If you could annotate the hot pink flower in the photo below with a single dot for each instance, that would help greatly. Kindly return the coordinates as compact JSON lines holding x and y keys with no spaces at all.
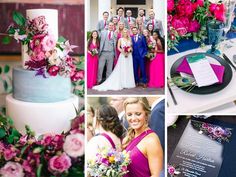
{"x":218,"y":11}
{"x":9,"y":153}
{"x":53,"y":70}
{"x":59,"y":164}
{"x":38,"y":56}
{"x":194,"y":26}
{"x":31,"y":163}
{"x":48,"y":43}
{"x":78,"y":75}
{"x":74,"y":145}
{"x":200,"y":3}
{"x":36,"y":41}
{"x":170,"y":5}
{"x":179,"y":26}
{"x":2,"y":147}
{"x":185,"y":8}
{"x":171,"y":170}
{"x":12,"y":169}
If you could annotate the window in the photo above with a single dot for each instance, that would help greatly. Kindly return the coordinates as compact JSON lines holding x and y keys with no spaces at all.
{"x":131,"y":2}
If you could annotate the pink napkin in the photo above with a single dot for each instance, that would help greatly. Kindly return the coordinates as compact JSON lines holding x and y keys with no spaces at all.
{"x":218,"y":69}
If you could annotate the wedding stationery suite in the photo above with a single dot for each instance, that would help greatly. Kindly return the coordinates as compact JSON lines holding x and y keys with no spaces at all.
{"x":199,"y":151}
{"x":202,"y":70}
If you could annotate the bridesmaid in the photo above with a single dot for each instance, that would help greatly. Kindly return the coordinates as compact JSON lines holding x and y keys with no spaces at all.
{"x":92,"y":59}
{"x":157,"y":65}
{"x":140,"y":25}
{"x":119,"y":32}
{"x":150,"y":28}
{"x":142,"y":143}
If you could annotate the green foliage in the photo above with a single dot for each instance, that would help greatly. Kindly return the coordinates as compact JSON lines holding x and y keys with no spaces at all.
{"x":89,"y":34}
{"x":19,"y":18}
{"x":61,"y":39}
{"x":6,"y":69}
{"x":5,"y":79}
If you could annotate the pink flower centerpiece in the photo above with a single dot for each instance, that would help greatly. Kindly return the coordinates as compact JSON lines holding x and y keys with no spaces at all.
{"x":188,"y":19}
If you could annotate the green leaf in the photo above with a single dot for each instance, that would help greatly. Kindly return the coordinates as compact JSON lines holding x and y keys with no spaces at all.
{"x":11,"y":30}
{"x":39,"y":170}
{"x":6,"y":69}
{"x":19,"y":18}
{"x":6,"y":40}
{"x":0,"y":70}
{"x":61,"y":39}
{"x":2,"y":133}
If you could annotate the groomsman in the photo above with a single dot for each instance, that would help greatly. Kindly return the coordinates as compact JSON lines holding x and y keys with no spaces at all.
{"x":139,"y":52}
{"x":141,"y":14}
{"x":129,"y":17}
{"x":157,"y":24}
{"x":115,"y":22}
{"x":103,"y":24}
{"x":107,"y":51}
{"x":120,"y":17}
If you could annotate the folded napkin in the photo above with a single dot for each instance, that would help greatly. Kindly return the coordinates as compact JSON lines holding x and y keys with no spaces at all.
{"x":218,"y":69}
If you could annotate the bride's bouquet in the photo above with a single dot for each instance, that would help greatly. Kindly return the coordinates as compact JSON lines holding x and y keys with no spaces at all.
{"x":127,"y":50}
{"x":109,"y":162}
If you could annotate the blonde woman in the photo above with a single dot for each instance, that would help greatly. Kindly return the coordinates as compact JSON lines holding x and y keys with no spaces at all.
{"x":123,"y":74}
{"x":143,"y":144}
{"x":119,"y":32}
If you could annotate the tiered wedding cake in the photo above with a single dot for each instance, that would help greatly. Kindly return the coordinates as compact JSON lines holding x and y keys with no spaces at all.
{"x":45,"y":103}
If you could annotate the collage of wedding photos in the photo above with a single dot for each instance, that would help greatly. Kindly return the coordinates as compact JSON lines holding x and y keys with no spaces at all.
{"x":117,"y":88}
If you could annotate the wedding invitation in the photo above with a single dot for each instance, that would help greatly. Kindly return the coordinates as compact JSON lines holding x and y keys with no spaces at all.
{"x":199,"y":151}
{"x":202,"y":70}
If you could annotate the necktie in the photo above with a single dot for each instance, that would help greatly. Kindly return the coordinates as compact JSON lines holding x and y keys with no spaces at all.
{"x":129,"y":19}
{"x":105,"y":23}
{"x":152,"y":22}
{"x":109,"y":35}
{"x":119,"y":18}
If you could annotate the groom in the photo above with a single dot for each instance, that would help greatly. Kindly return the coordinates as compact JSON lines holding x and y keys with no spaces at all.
{"x":107,"y":51}
{"x":139,"y":52}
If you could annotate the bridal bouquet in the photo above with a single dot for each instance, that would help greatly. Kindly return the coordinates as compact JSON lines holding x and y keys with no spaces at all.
{"x":47,"y":56}
{"x":94,"y":52}
{"x":127,"y":50}
{"x":109,"y":162}
{"x":188,"y":19}
{"x":49,"y":155}
{"x":151,"y":49}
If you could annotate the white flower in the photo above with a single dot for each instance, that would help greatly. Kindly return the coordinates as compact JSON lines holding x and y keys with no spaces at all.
{"x":67,"y":47}
{"x":18,"y":37}
{"x":74,"y":145}
{"x":54,"y":57}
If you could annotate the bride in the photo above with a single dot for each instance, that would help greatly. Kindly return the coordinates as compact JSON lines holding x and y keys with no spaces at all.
{"x":123,"y":74}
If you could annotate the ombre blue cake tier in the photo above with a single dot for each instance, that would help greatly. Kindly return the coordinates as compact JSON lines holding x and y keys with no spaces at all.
{"x":30,"y":88}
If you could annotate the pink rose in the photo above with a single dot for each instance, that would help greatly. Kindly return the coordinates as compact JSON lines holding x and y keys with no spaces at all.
{"x":38,"y":25}
{"x":53,"y":70}
{"x":74,"y":145}
{"x":48,"y":43}
{"x":59,"y":164}
{"x":12,"y":169}
{"x":9,"y":152}
{"x":194,"y":26}
{"x":170,"y":5}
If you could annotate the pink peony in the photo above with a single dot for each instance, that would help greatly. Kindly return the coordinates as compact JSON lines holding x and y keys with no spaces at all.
{"x":38,"y":25}
{"x":9,"y":153}
{"x":12,"y":169}
{"x":185,"y":8}
{"x":55,"y":141}
{"x":194,"y":26}
{"x":59,"y":164}
{"x":218,"y":11}
{"x":179,"y":26}
{"x":36,"y":41}
{"x":53,"y":70}
{"x":74,"y":145}
{"x":170,"y":5}
{"x":200,"y":3}
{"x":48,"y":43}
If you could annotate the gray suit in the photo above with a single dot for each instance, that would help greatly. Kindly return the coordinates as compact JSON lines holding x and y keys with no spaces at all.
{"x":157,"y":26}
{"x":101,"y":26}
{"x":106,"y":54}
{"x":132,"y":19}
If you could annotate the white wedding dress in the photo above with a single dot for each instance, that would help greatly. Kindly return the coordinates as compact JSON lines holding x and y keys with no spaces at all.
{"x":123,"y":74}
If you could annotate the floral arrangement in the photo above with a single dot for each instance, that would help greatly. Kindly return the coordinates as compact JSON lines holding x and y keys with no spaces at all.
{"x":94,"y":52}
{"x":109,"y":162}
{"x":188,"y":18}
{"x":215,"y":132}
{"x":47,"y":56}
{"x":173,"y":171}
{"x":151,"y":43}
{"x":127,"y":50}
{"x":49,"y":155}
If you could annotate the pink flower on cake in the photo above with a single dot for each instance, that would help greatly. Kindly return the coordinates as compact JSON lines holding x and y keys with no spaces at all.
{"x":9,"y":152}
{"x":74,"y":145}
{"x":78,"y":75}
{"x":36,"y":41}
{"x":38,"y":25}
{"x":12,"y":169}
{"x":48,"y":42}
{"x":67,"y":47}
{"x":59,"y":164}
{"x":53,"y":70}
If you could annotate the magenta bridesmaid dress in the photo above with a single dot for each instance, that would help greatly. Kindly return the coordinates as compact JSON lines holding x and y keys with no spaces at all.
{"x":92,"y":67}
{"x":119,"y":35}
{"x":157,"y":71}
{"x":139,"y":163}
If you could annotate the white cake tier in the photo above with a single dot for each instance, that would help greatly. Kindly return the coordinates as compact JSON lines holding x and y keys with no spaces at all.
{"x":51,"y":16}
{"x":42,"y":117}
